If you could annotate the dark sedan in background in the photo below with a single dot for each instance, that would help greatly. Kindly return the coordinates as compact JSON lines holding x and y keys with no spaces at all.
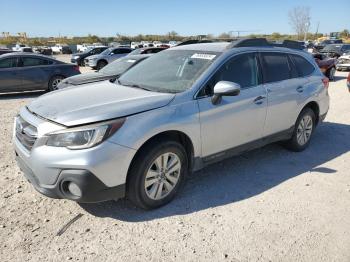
{"x":29,"y":72}
{"x":109,"y":72}
{"x":78,"y":58}
{"x":335,"y":50}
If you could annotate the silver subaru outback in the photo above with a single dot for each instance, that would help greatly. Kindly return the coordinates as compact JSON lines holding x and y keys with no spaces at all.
{"x":176,"y":112}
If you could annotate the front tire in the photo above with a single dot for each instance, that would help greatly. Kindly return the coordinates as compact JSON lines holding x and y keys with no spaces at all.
{"x":303,"y":130}
{"x":157,"y":174}
{"x":100,"y":65}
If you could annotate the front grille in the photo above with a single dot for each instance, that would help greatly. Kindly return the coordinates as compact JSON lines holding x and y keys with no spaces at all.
{"x":25,"y":133}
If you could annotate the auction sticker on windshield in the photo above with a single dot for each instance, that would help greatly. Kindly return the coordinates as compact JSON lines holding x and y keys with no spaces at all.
{"x":204,"y":56}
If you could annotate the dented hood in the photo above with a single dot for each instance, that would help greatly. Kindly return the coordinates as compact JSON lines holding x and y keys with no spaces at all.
{"x":96,"y":102}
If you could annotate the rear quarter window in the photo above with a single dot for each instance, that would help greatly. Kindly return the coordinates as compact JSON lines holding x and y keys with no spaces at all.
{"x":303,"y":66}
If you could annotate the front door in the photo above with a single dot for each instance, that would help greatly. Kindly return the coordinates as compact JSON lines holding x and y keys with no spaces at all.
{"x":236,"y":120}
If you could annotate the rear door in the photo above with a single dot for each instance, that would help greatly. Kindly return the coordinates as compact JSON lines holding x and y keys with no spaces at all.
{"x":35,"y":72}
{"x":10,"y":81}
{"x":283,"y":91}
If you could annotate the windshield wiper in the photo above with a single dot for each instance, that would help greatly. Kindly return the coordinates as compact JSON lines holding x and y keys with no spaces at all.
{"x":132,"y":85}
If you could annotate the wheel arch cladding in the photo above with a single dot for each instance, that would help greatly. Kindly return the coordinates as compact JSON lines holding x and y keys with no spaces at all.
{"x":171,"y":135}
{"x":314,"y":107}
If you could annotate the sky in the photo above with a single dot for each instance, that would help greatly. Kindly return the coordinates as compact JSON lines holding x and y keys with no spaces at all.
{"x":186,"y":17}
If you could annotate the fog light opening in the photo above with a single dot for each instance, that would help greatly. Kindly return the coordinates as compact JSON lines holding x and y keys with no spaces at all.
{"x":71,"y":188}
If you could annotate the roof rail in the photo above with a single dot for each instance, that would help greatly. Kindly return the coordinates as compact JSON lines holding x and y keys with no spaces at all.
{"x":262,"y":42}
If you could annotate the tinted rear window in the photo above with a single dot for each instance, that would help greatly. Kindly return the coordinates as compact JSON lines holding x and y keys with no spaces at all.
{"x":33,"y":61}
{"x":303,"y":66}
{"x":275,"y":67}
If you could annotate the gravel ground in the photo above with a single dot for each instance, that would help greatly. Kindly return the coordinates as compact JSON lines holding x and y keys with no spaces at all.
{"x":266,"y":205}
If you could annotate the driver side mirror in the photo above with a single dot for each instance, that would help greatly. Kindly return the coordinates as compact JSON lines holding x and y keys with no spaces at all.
{"x":225,"y":88}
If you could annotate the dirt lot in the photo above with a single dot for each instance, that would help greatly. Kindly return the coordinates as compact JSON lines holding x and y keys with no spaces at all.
{"x":266,"y":205}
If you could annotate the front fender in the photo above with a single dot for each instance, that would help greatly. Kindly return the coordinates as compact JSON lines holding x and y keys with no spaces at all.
{"x":139,"y":128}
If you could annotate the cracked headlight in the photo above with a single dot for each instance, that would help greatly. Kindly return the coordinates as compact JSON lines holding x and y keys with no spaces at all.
{"x":84,"y":137}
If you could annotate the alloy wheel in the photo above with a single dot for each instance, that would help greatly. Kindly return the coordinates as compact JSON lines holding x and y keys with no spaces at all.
{"x":55,"y":83}
{"x":162,"y":176}
{"x":304,"y":130}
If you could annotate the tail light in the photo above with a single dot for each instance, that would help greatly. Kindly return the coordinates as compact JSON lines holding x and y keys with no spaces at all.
{"x":76,"y":68}
{"x":325,"y":82}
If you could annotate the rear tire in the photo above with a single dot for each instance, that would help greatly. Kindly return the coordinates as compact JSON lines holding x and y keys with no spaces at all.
{"x":53,"y":83}
{"x":330,"y":73}
{"x":303,"y":130}
{"x":157,"y":174}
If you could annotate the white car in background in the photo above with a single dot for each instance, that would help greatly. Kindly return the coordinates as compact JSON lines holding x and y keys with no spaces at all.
{"x":19,"y":47}
{"x":343,"y":62}
{"x":56,"y":49}
{"x":173,"y":43}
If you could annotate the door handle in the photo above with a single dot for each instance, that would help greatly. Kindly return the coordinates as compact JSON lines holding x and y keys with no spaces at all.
{"x":259,"y":100}
{"x":300,"y":89}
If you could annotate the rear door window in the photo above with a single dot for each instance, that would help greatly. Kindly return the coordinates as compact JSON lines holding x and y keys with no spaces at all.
{"x":33,"y":61}
{"x":303,"y":66}
{"x":8,"y":62}
{"x":275,"y":67}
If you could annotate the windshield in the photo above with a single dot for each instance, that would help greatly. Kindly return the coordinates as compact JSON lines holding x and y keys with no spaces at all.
{"x":171,"y":71}
{"x":136,"y":51}
{"x":335,"y":48}
{"x":119,"y":66}
{"x":106,"y":52}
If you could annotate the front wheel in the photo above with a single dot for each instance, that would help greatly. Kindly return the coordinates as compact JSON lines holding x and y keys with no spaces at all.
{"x":157,"y":174}
{"x":303,"y":130}
{"x":100,"y":65}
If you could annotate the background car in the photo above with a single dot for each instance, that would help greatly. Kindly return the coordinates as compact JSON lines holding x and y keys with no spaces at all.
{"x":344,"y":62}
{"x":28,"y":72}
{"x":5,"y":51}
{"x":335,"y":50}
{"x":109,"y":72}
{"x":78,"y":58}
{"x":326,"y":64}
{"x":66,"y":50}
{"x":44,"y":50}
{"x":109,"y":55}
{"x":149,"y":50}
{"x":322,"y":44}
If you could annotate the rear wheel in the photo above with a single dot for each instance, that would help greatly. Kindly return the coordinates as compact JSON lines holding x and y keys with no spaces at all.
{"x":330,"y":73}
{"x":304,"y":128}
{"x":157,"y":174}
{"x":54,"y":81}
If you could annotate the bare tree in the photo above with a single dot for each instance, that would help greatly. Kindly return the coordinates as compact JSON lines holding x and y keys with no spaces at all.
{"x":299,"y":18}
